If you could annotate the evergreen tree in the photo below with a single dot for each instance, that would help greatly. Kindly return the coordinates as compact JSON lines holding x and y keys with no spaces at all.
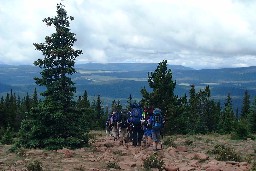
{"x":119,"y":106}
{"x":129,"y":101}
{"x":246,"y":105}
{"x":10,"y":110}
{"x":59,"y":60}
{"x":98,"y":107}
{"x":203,"y":110}
{"x":27,"y":102}
{"x":114,"y":105}
{"x":162,"y":95}
{"x":193,"y":115}
{"x":252,"y":117}
{"x":2,"y":112}
{"x":101,"y":118}
{"x":35,"y":98}
{"x":227,"y":120}
{"x":181,"y":126}
{"x":162,"y":85}
{"x":55,"y":123}
{"x":79,"y":102}
{"x":213,"y":115}
{"x":83,"y":101}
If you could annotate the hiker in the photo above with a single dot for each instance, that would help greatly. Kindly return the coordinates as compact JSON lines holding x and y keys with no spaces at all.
{"x":113,"y":122}
{"x":130,"y":125}
{"x":147,"y":128}
{"x":123,"y":128}
{"x":137,"y":132}
{"x":157,"y":124}
{"x":108,"y":127}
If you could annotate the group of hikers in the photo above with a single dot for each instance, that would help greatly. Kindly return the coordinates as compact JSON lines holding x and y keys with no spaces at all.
{"x":138,"y":125}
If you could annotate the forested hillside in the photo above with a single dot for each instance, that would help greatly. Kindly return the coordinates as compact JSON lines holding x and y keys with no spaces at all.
{"x":118,"y":81}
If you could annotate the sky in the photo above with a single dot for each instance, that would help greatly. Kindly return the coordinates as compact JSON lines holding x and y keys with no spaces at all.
{"x":199,"y":34}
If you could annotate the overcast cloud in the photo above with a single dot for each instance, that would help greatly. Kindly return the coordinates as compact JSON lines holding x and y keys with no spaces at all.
{"x":193,"y":33}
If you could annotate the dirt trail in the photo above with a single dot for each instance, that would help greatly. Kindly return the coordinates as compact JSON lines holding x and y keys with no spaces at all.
{"x":183,"y":154}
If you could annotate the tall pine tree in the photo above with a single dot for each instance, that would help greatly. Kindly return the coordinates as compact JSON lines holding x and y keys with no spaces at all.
{"x":55,"y":123}
{"x":252,"y":117}
{"x":227,"y":122}
{"x":162,"y":95}
{"x":246,"y":105}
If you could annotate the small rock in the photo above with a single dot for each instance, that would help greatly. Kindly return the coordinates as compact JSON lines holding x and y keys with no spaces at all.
{"x":243,"y":164}
{"x":133,"y":164}
{"x":181,"y":149}
{"x":201,"y":156}
{"x":233,"y":163}
{"x":18,"y":162}
{"x":171,"y":168}
{"x":187,"y":168}
{"x":213,"y":168}
{"x":2,"y":161}
{"x":93,"y":169}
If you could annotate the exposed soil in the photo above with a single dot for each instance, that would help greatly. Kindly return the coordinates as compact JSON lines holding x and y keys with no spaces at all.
{"x":183,"y":153}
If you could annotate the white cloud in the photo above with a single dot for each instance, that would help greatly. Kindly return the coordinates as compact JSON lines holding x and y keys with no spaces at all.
{"x":194,"y":33}
{"x":97,"y":55}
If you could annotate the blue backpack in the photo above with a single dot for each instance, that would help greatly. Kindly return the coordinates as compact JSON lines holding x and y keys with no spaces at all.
{"x":114,"y":119}
{"x":136,"y":114}
{"x":157,"y":120}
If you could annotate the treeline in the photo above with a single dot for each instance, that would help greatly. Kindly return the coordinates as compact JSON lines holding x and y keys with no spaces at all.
{"x":194,"y":113}
{"x":197,"y":112}
{"x":14,"y":109}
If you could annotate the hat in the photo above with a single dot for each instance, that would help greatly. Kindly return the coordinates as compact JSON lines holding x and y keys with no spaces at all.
{"x":157,"y":111}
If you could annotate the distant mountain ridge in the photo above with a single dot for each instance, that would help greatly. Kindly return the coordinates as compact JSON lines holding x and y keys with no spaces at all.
{"x":127,"y":66}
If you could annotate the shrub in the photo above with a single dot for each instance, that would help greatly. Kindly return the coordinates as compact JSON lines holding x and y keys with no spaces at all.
{"x":169,"y":141}
{"x":7,"y":137}
{"x":80,"y":168}
{"x":153,"y":161}
{"x":118,"y":152}
{"x":21,"y":152}
{"x":109,"y":145}
{"x":224,"y":153}
{"x":241,"y":131}
{"x":188,"y":142}
{"x":35,"y":166}
{"x":113,"y":165}
{"x":253,"y":167}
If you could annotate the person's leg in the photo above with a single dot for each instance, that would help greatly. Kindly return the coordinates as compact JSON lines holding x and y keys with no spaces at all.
{"x":158,"y":137}
{"x":125,"y":134}
{"x":107,"y":132}
{"x":149,"y":140}
{"x":154,"y":141}
{"x":140,"y":135}
{"x":114,"y":131}
{"x":121,"y":136}
{"x":130,"y":134}
{"x":135,"y":137}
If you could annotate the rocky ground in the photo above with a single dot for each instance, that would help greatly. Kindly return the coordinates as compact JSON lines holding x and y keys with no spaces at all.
{"x":179,"y":153}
